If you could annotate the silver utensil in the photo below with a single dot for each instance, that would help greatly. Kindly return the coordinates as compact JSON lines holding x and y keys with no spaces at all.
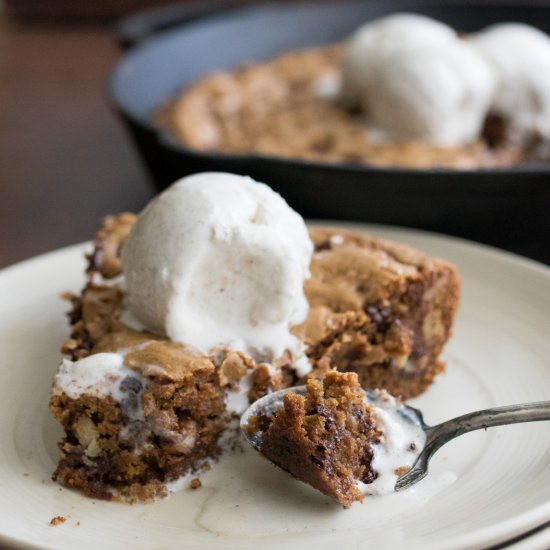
{"x":436,"y":436}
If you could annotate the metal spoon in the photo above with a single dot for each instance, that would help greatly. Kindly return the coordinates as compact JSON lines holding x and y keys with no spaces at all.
{"x":436,"y":436}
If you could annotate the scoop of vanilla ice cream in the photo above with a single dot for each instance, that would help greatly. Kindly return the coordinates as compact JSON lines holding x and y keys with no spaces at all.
{"x":415,"y":79}
{"x":520,"y":55}
{"x":219,"y":259}
{"x":368,"y":46}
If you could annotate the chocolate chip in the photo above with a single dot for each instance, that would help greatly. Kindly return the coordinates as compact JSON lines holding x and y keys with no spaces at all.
{"x":380,"y":314}
{"x":323,"y":144}
{"x":263,"y":421}
{"x":130,"y":384}
{"x":136,"y":433}
{"x":495,"y":131}
{"x":261,"y":355}
{"x":323,"y":245}
{"x":129,"y":405}
{"x":369,"y":476}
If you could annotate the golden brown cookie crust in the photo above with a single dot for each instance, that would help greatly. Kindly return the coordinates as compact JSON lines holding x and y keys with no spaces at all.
{"x":271,"y":108}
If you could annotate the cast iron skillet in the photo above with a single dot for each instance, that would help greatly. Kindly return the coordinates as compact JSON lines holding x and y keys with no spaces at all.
{"x":507,"y":208}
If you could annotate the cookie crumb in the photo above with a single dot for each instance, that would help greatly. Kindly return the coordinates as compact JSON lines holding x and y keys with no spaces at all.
{"x":58,"y":520}
{"x":401,"y":471}
{"x":77,"y":524}
{"x":195,"y":483}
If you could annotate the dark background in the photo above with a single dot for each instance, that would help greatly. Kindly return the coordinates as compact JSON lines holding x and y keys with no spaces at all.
{"x":65,"y":161}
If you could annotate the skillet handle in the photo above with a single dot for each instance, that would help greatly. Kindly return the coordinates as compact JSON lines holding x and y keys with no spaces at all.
{"x":133,"y":29}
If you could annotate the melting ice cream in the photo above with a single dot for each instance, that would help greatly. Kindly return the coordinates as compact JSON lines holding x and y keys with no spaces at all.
{"x":219,"y":259}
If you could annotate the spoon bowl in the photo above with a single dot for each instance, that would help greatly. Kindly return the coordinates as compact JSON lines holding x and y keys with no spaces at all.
{"x":436,"y":436}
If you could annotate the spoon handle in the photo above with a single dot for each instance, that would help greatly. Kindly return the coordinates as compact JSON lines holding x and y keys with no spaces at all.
{"x":437,"y":436}
{"x":512,"y":414}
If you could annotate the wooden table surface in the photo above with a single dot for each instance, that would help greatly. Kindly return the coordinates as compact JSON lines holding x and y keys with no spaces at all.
{"x":65,"y":161}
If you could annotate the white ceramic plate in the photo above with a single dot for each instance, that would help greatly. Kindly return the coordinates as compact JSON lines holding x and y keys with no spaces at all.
{"x":484,"y":488}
